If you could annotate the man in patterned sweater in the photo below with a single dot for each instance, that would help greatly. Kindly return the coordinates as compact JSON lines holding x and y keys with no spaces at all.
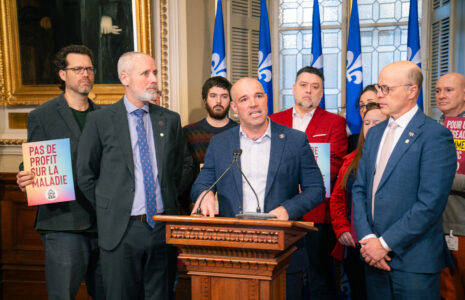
{"x":216,"y":98}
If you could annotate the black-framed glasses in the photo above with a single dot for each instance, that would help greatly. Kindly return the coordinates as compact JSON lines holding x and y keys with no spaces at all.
{"x":80,"y":70}
{"x":363,"y":106}
{"x":387,"y":89}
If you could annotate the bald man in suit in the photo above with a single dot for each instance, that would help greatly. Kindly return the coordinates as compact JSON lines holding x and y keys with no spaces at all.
{"x":403,"y":181}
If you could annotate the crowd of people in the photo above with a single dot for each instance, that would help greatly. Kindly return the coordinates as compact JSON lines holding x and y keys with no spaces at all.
{"x":395,"y":194}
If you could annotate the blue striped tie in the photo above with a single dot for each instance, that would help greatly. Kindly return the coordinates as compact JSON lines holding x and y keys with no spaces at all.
{"x":149,"y":182}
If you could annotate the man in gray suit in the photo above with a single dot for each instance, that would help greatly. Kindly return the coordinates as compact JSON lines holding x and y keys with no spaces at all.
{"x":131,"y":158}
{"x":67,"y":229}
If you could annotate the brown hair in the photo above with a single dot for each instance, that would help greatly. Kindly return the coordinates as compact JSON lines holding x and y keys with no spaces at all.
{"x":361,"y":140}
{"x":60,"y":59}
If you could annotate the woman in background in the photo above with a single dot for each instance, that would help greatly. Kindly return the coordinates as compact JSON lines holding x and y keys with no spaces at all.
{"x":368,"y":95}
{"x":341,"y":208}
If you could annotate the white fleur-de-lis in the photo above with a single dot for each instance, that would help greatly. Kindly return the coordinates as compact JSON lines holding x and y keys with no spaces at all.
{"x":318,"y":63}
{"x":264,"y":67}
{"x":413,"y":58}
{"x":354,"y":69}
{"x":218,"y":68}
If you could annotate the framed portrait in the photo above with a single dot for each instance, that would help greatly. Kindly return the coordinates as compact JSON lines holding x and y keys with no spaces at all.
{"x":33,"y":31}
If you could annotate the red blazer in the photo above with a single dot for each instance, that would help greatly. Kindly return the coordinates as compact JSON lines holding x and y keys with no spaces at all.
{"x":325,"y":127}
{"x":338,"y":207}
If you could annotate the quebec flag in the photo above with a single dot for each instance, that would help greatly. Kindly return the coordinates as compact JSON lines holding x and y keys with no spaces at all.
{"x":264,"y":56}
{"x":354,"y":75}
{"x":413,"y":42}
{"x":218,"y":67}
{"x":317,"y":54}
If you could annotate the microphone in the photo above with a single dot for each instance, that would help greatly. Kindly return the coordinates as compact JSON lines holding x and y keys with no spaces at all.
{"x":236,"y":154}
{"x":259,"y":214}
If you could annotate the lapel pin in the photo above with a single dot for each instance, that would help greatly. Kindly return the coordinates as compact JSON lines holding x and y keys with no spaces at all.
{"x":410,"y":133}
{"x":407,"y":141}
{"x":161,"y":123}
{"x":162,"y":134}
{"x":281,"y":136}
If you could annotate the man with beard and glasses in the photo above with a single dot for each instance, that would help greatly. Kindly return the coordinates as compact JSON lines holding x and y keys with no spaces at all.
{"x":216,"y":98}
{"x":67,"y":229}
{"x":131,"y":159}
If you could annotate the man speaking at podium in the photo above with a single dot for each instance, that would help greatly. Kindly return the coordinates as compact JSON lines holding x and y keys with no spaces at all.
{"x":276,"y":161}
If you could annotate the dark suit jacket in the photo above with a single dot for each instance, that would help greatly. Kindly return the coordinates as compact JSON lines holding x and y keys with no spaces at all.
{"x":54,"y":120}
{"x":291,"y":163}
{"x":324,"y":127}
{"x":106,"y":167}
{"x":411,"y":194}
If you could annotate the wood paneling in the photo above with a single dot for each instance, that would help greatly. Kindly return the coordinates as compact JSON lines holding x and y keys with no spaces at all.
{"x":21,"y":255}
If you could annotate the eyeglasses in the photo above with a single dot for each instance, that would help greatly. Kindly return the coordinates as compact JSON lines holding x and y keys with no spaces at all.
{"x":369,"y":101}
{"x":80,"y":70}
{"x":387,"y":89}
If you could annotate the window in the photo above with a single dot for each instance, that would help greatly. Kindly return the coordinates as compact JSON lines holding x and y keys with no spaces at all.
{"x":383,"y":31}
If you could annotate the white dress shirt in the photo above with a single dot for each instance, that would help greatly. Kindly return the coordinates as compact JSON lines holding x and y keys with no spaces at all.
{"x":301,"y":123}
{"x":255,"y":159}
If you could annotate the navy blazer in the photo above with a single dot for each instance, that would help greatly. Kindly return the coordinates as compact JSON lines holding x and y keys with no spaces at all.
{"x":411,"y":195}
{"x":291,"y":164}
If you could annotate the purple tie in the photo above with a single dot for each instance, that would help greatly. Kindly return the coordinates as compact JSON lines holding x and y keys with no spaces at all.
{"x":149,"y":182}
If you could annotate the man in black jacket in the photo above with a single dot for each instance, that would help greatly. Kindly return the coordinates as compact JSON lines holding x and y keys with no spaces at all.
{"x":67,"y":229}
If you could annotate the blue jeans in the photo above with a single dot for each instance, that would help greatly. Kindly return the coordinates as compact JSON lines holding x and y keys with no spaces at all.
{"x":69,"y":259}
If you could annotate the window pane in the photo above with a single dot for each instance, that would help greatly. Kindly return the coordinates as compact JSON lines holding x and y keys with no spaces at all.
{"x":299,"y":13}
{"x":381,"y":46}
{"x":293,"y":59}
{"x":385,"y":11}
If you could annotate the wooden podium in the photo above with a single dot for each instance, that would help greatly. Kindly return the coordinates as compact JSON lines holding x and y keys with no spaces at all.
{"x":230,"y":258}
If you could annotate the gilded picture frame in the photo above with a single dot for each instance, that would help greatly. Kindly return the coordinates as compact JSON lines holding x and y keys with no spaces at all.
{"x":13,"y":92}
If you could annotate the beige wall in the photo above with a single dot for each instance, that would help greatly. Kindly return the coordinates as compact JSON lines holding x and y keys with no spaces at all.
{"x":200,"y":23}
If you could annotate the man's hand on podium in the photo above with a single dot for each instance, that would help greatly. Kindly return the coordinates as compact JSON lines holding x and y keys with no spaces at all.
{"x":280,"y":212}
{"x":208,"y":204}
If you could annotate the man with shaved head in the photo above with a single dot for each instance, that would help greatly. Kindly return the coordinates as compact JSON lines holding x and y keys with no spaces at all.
{"x":450,"y":99}
{"x":276,"y":160}
{"x":131,"y":157}
{"x":402,"y":185}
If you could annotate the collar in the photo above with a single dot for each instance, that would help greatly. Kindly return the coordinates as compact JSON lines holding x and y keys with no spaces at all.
{"x":405,"y":118}
{"x":130,"y":108}
{"x":265,"y":135}
{"x":442,"y":118}
{"x":295,"y":114}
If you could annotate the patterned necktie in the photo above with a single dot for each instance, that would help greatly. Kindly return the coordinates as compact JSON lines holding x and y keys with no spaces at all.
{"x":386,"y":151}
{"x":149,"y":182}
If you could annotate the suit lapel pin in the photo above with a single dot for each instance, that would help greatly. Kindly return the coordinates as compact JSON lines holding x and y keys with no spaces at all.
{"x":410,"y":133}
{"x":161,"y":123}
{"x":162,"y":134}
{"x":281,"y":136}
{"x":407,"y":141}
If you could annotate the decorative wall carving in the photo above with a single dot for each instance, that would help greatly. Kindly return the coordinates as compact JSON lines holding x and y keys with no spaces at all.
{"x":164,"y":76}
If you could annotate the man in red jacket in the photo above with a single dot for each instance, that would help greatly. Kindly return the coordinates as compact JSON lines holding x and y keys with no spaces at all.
{"x":321,"y":127}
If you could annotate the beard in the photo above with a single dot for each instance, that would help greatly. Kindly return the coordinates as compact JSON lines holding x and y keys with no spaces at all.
{"x":146,"y":96}
{"x":80,"y":88}
{"x":305,"y":105}
{"x":218,"y":115}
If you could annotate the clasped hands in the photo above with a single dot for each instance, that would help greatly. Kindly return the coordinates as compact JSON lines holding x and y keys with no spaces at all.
{"x":207,"y":207}
{"x":374,"y":253}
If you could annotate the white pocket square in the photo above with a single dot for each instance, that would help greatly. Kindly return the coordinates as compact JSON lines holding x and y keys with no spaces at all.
{"x":323,"y":134}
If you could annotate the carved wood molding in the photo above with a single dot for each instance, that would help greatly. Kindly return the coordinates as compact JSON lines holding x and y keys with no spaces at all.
{"x":225,"y":234}
{"x":12,"y":141}
{"x":164,"y":75}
